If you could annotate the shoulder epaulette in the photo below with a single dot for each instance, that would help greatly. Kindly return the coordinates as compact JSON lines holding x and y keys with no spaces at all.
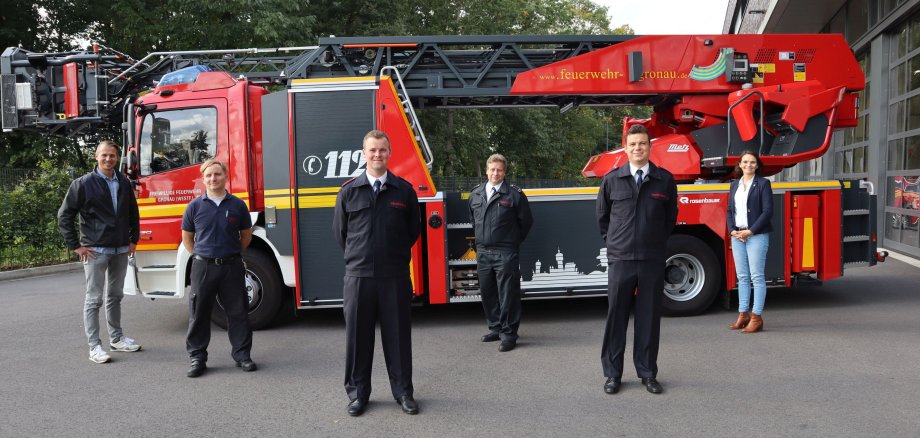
{"x":516,"y":188}
{"x":477,"y":186}
{"x":349,"y":180}
{"x":399,"y":178}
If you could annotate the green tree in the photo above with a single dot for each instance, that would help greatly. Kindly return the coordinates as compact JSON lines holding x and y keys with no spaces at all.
{"x":138,"y":27}
{"x":28,"y":219}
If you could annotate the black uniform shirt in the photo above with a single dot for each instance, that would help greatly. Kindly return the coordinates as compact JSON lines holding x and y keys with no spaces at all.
{"x":376,"y":231}
{"x":636,"y":224}
{"x":503,"y":221}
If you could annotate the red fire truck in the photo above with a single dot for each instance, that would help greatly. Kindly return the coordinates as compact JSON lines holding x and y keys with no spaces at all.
{"x":290,"y":124}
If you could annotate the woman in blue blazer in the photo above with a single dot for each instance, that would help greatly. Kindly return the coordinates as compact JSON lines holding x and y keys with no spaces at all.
{"x":750,"y":207}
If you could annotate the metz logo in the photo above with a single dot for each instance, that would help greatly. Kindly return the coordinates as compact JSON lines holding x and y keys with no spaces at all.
{"x":687,"y":200}
{"x":674,"y":147}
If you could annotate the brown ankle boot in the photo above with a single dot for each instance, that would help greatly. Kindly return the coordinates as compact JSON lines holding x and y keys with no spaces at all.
{"x":743,"y":319}
{"x":755,"y":325}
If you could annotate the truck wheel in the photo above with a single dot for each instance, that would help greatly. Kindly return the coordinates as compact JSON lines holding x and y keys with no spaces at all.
{"x":264,"y":287}
{"x":692,"y":276}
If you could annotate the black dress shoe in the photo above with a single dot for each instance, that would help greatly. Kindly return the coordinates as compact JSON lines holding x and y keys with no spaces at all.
{"x":408,"y":404}
{"x":247,"y":365}
{"x":612,"y":386}
{"x":490,"y":337}
{"x":507,"y":346}
{"x":652,"y":385}
{"x":356,"y":407}
{"x":197,"y":368}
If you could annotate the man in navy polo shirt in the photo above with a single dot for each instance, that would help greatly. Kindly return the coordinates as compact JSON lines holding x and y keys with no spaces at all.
{"x":216,"y":228}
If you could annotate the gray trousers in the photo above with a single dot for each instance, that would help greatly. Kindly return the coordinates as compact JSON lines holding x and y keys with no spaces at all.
{"x":105,"y":276}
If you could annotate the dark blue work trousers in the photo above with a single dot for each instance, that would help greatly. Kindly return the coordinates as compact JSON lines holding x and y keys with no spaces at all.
{"x":500,"y":288}
{"x":368,"y":300}
{"x":225,"y":282}
{"x":633,"y":285}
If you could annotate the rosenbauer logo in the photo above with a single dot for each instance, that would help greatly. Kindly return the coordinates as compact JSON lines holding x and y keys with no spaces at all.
{"x":674,"y":147}
{"x":687,"y":200}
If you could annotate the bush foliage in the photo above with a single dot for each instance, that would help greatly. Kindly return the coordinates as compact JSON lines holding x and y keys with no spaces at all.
{"x":28,"y":220}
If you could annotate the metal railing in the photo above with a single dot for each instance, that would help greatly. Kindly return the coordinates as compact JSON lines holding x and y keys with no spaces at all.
{"x":10,"y":178}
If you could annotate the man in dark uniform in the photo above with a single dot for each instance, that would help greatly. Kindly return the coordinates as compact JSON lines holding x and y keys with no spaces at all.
{"x":501,"y":220}
{"x":216,"y":229}
{"x":636,"y":212}
{"x":376,"y":222}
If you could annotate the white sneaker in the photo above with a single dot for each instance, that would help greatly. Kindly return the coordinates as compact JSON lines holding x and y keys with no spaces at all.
{"x":125,"y":344}
{"x":98,"y":355}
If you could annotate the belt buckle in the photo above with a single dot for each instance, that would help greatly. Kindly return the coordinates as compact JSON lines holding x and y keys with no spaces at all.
{"x":218,"y":261}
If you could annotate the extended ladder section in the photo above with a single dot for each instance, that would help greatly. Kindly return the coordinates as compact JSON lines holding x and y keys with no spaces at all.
{"x":449,"y":71}
{"x":76,"y":93}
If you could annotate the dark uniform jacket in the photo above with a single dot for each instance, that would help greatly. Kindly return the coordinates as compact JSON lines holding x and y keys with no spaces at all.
{"x":377,"y":233}
{"x":759,"y":206}
{"x":100,"y":224}
{"x":636,"y":224}
{"x":502,"y":222}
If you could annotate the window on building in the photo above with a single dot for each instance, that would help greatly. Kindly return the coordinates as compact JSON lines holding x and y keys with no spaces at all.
{"x":897,"y":80}
{"x":873,"y":12}
{"x":851,"y":148}
{"x":902,"y":176}
{"x":857,"y":19}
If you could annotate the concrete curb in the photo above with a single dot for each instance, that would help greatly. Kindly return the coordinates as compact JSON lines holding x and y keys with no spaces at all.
{"x":41,"y":270}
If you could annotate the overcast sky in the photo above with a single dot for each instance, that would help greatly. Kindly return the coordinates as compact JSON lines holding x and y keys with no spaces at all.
{"x":676,"y":17}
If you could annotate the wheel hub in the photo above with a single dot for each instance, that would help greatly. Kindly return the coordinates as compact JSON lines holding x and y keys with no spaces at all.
{"x":253,"y":289}
{"x":684,"y":277}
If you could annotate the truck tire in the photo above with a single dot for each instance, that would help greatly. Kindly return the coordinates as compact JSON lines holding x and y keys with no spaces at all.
{"x":692,"y":276}
{"x":264,"y":286}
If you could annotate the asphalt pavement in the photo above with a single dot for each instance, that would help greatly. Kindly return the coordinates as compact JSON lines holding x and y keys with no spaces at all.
{"x":840,"y":359}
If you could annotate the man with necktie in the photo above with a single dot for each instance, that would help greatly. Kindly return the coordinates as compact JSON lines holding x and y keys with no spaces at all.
{"x":636,"y":212}
{"x":501,"y":219}
{"x":376,"y":222}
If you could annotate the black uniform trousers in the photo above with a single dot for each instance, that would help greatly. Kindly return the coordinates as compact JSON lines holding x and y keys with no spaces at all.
{"x":500,"y":289}
{"x":226,"y":282}
{"x":368,"y":300}
{"x":633,"y":285}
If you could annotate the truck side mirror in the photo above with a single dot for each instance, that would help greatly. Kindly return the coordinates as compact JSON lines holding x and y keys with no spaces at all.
{"x":131,"y":165}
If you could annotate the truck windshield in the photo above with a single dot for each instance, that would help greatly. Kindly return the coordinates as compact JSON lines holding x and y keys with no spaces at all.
{"x":177,"y":138}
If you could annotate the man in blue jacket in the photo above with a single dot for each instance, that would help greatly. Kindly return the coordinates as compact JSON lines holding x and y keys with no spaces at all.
{"x":636,"y":212}
{"x":109,"y":231}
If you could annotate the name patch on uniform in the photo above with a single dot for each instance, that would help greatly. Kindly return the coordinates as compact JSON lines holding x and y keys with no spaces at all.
{"x":659,"y":195}
{"x":397,"y":204}
{"x":506,"y":203}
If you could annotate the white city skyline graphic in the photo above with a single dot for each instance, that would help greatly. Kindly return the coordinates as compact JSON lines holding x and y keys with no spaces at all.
{"x":566,"y":274}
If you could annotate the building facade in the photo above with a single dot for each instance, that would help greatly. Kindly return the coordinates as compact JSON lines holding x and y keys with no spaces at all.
{"x":885,"y":148}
